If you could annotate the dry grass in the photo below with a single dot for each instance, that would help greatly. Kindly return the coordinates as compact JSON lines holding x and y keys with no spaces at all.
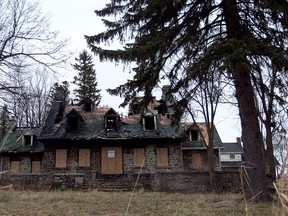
{"x":147,"y":203}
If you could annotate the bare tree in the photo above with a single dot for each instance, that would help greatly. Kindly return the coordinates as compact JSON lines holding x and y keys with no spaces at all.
{"x":270,"y":84}
{"x":200,"y":98}
{"x":28,"y":102}
{"x":26,"y":38}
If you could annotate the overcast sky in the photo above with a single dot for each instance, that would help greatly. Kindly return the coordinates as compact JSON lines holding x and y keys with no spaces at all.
{"x":74,"y":19}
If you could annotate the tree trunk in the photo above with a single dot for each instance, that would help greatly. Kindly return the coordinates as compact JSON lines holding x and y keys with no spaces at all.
{"x":212,"y":178}
{"x":270,"y":156}
{"x":251,"y":135}
{"x":257,"y":187}
{"x":210,"y":151}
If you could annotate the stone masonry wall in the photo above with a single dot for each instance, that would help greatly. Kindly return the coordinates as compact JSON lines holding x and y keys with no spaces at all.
{"x":168,"y":182}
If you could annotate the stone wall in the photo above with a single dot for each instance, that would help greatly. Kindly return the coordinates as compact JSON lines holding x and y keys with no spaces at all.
{"x":168,"y":182}
{"x":170,"y":178}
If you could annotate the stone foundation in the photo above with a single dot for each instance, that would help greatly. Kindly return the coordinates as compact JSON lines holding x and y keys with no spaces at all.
{"x":168,"y":182}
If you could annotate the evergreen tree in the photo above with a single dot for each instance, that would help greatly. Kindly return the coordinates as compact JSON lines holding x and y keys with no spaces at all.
{"x":184,"y":38}
{"x":60,"y":92}
{"x":86,"y":79}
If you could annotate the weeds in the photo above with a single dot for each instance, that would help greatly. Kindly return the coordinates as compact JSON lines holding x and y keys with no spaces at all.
{"x":114,"y":204}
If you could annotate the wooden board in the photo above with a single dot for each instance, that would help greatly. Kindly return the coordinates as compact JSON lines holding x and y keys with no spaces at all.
{"x":61,"y":158}
{"x":139,"y":157}
{"x":162,"y":157}
{"x":196,"y":161}
{"x":36,"y":166}
{"x":111,"y":160}
{"x":84,"y":157}
{"x":15,"y":166}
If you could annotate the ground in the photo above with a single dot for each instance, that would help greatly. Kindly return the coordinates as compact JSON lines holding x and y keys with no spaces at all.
{"x":140,"y":203}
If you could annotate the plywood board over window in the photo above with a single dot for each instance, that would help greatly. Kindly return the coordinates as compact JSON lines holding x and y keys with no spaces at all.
{"x":15,"y":166}
{"x":139,"y":157}
{"x":162,"y":157}
{"x":61,"y":158}
{"x":111,"y":160}
{"x":196,"y":161}
{"x":84,"y":157}
{"x":36,"y":166}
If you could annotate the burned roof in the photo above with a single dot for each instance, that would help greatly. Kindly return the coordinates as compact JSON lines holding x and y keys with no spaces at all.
{"x":93,"y":126}
{"x":13,"y":141}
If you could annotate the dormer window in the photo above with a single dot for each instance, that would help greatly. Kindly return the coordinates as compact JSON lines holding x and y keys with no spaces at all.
{"x":111,"y":123}
{"x":27,"y":140}
{"x":111,"y":120}
{"x":73,"y":124}
{"x":149,"y":122}
{"x":194,"y":135}
{"x":73,"y":121}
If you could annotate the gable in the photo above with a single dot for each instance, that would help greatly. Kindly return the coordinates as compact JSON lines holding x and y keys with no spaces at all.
{"x":198,"y":133}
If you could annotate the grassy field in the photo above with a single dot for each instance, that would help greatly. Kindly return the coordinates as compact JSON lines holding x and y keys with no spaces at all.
{"x":145,"y":203}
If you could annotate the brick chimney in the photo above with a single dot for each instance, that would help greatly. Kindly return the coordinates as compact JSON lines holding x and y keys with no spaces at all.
{"x":238,"y":140}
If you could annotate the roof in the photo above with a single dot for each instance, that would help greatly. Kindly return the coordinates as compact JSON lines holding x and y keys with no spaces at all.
{"x":201,"y":144}
{"x":93,"y":127}
{"x":12,"y":141}
{"x":232,"y":148}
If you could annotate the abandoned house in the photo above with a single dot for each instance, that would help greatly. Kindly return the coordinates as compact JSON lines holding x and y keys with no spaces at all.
{"x":231,"y":155}
{"x":94,"y":147}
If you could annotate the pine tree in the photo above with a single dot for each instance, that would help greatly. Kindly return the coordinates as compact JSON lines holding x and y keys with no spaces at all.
{"x":181,"y":39}
{"x":86,"y":79}
{"x":60,"y":92}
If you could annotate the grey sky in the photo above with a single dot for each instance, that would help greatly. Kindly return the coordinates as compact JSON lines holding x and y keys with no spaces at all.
{"x":74,"y":19}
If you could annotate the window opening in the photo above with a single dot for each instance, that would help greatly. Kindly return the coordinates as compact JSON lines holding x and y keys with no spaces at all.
{"x":27,"y":140}
{"x":194,"y":135}
{"x":149,"y":123}
{"x":111,"y":124}
{"x":73,"y":124}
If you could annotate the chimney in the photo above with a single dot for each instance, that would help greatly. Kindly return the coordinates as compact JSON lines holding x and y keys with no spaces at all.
{"x":4,"y":121}
{"x":238,"y":140}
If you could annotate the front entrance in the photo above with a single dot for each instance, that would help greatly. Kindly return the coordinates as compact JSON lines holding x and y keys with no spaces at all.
{"x":111,"y":160}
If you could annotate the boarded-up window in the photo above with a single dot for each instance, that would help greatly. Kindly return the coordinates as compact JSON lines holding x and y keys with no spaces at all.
{"x":111,"y":160}
{"x":61,"y":158}
{"x":36,"y":166}
{"x":162,"y":157}
{"x":196,"y":161}
{"x":138,"y":158}
{"x":15,"y":166}
{"x":84,"y":157}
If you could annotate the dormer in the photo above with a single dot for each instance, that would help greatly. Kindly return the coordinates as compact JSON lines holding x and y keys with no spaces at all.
{"x":27,"y":139}
{"x":149,"y":121}
{"x":111,"y":120}
{"x":74,"y":120}
{"x":193,"y":132}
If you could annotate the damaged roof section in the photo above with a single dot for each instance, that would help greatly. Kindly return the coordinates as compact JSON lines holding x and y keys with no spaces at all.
{"x":103,"y":123}
{"x":22,"y":140}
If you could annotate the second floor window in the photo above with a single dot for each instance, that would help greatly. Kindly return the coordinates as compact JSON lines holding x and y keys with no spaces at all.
{"x":111,"y":123}
{"x":149,"y":123}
